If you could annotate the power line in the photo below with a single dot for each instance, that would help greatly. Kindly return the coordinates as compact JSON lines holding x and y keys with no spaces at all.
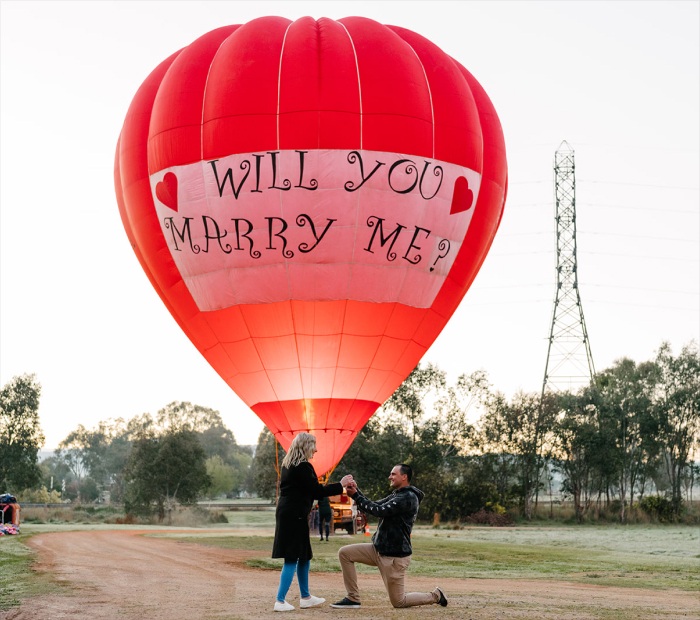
{"x":613,"y":254}
{"x":628,"y":184}
{"x":644,"y":289}
{"x":605,"y":286}
{"x":586,"y":204}
{"x":628,"y":236}
{"x":539,"y":233}
{"x":637,"y":208}
{"x":625,"y":183}
{"x":639,"y":305}
{"x":644,"y":256}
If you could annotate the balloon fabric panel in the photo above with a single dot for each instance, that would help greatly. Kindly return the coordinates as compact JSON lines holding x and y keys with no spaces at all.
{"x":311,"y":200}
{"x":131,"y":182}
{"x":457,"y":137}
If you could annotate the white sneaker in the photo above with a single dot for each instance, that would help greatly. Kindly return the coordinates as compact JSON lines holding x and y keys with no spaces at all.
{"x":312,"y":601}
{"x":285,"y":606}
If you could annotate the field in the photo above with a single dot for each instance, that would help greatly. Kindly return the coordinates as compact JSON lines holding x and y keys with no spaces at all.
{"x":106,"y":571}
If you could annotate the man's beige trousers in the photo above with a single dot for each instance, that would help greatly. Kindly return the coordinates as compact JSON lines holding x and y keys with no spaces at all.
{"x":392,"y":570}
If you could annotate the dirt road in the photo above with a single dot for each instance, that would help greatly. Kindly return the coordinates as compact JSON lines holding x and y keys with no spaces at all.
{"x":124,"y":575}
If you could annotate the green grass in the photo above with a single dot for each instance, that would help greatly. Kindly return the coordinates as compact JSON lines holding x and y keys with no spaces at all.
{"x":652,"y":557}
{"x":17,"y":581}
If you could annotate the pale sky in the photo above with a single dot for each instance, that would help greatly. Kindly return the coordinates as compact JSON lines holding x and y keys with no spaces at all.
{"x":619,"y":81}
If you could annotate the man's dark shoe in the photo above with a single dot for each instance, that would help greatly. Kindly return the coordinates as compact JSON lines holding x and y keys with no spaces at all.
{"x":346,"y":603}
{"x":442,"y":601}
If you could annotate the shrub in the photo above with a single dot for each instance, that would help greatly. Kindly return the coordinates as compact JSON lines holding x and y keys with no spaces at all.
{"x":657,"y":507}
{"x":495,"y":507}
{"x":39,"y":496}
{"x":127,"y":519}
{"x":484,"y":517}
{"x":217,"y":516}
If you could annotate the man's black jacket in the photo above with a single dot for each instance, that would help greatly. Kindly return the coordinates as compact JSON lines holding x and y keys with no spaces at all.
{"x":397,"y":514}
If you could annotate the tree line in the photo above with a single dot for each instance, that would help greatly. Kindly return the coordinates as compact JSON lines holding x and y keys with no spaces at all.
{"x":148,"y":463}
{"x":624,"y":443}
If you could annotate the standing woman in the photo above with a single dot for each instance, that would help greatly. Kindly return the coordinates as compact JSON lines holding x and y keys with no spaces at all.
{"x":299,"y":487}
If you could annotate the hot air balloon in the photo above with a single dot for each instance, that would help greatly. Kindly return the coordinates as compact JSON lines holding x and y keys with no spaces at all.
{"x":311,"y":200}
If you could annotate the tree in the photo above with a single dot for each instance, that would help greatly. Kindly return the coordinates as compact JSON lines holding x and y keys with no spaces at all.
{"x":468,"y":490}
{"x":242,"y":461}
{"x":266,"y":464}
{"x":82,"y":451}
{"x":626,"y":391}
{"x":407,"y":403}
{"x":163,"y":470}
{"x":677,"y":410}
{"x":228,"y":478}
{"x":222,"y":477}
{"x":515,"y":434}
{"x":453,"y":408}
{"x":216,"y":439}
{"x":99,"y":454}
{"x":444,"y":439}
{"x":20,"y":433}
{"x":121,"y":440}
{"x":54,"y":473}
{"x":576,"y":440}
{"x":178,"y":416}
{"x":102,"y":453}
{"x":379,"y":446}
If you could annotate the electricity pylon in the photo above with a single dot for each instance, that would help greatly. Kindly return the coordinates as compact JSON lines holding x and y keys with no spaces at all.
{"x":569,"y":362}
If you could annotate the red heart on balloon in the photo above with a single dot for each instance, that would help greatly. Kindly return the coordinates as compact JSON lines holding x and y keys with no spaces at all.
{"x":462,"y":197}
{"x":166,"y":191}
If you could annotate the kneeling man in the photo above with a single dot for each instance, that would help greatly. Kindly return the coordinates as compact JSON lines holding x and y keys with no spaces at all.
{"x":390,"y":550}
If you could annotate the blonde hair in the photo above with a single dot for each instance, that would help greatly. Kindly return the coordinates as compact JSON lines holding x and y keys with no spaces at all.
{"x":302,"y":449}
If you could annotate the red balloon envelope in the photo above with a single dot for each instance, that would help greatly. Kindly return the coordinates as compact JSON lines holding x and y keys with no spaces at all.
{"x":311,"y":200}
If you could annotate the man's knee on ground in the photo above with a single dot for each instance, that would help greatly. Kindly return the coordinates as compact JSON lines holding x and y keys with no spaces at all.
{"x":398,"y":603}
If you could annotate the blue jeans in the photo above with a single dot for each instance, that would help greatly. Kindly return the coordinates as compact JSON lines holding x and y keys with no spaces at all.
{"x":301,"y":567}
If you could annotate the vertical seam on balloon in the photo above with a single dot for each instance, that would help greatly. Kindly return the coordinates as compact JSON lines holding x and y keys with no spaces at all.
{"x":204,"y":97}
{"x":279,"y":84}
{"x":359,"y":94}
{"x":359,"y":83}
{"x":430,"y":96}
{"x":286,"y":268}
{"x":279,"y":97}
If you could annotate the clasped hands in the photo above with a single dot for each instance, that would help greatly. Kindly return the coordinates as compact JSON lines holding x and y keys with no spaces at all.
{"x":349,"y":484}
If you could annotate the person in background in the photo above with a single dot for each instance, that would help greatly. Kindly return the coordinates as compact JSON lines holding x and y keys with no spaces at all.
{"x":313,"y":518}
{"x":390,"y":550}
{"x":299,"y":487}
{"x":325,"y":516}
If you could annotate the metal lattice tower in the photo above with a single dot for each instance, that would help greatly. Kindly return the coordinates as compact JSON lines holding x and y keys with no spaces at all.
{"x":569,"y":362}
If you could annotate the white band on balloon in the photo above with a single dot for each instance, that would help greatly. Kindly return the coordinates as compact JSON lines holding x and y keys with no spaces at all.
{"x":314,"y":225}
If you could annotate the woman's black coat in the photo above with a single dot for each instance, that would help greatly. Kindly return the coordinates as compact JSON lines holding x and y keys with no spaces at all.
{"x":299,"y":487}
